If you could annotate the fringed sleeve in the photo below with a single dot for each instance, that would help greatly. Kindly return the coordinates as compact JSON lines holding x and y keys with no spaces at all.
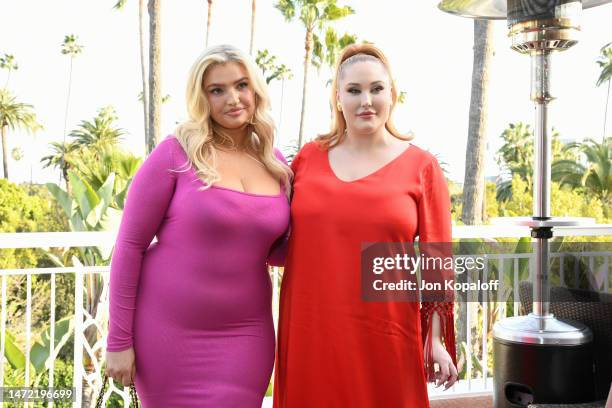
{"x":435,"y":237}
{"x":447,"y":331}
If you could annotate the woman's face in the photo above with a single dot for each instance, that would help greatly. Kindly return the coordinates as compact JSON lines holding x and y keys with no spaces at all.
{"x":364,"y":92}
{"x":230,"y":95}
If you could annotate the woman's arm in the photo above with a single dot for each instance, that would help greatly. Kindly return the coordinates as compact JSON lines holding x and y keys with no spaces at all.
{"x":145,"y":207}
{"x":437,"y":317}
{"x":278,"y":252}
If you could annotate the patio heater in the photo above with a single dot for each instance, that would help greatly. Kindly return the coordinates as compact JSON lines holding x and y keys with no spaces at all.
{"x":538,"y":358}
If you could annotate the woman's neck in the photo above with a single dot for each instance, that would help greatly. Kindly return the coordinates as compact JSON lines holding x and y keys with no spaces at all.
{"x":368,"y":141}
{"x":238,"y":138}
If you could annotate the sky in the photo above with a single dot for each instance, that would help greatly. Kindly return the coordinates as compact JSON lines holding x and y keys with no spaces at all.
{"x":430,"y":52}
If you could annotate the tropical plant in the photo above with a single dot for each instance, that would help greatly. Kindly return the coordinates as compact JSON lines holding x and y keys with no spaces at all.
{"x":605,"y":63}
{"x":8,"y":62}
{"x":40,"y":353}
{"x":595,"y":176}
{"x":516,"y":157}
{"x":271,"y":71}
{"x":88,"y":209}
{"x":62,"y":158}
{"x":72,"y":48}
{"x":100,"y":134}
{"x":316,"y":16}
{"x":327,"y":51}
{"x":14,"y":115}
{"x":96,"y":168}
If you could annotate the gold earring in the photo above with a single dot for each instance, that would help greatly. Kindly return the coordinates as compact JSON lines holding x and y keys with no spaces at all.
{"x":339,"y":106}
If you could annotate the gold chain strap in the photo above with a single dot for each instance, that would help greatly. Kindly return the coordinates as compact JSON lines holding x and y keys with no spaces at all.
{"x":133,"y":395}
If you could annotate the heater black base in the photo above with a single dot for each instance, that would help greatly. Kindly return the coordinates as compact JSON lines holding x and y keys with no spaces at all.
{"x":533,"y":373}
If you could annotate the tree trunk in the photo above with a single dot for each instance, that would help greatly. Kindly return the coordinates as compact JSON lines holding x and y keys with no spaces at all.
{"x":208,"y":20}
{"x":308,"y":49}
{"x":66,"y":115}
{"x":606,"y":113}
{"x":145,"y":89}
{"x":253,"y":9}
{"x":474,"y":185}
{"x":4,"y":154}
{"x":65,"y":174}
{"x":155,"y":100}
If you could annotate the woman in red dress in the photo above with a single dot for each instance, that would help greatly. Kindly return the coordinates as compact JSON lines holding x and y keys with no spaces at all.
{"x":362,"y":182}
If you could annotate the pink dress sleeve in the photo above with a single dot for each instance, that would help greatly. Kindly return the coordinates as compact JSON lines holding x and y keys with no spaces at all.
{"x":435,"y":226}
{"x":147,"y":201}
{"x":278,"y":252}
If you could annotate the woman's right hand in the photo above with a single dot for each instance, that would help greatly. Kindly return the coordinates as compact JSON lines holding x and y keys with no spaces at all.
{"x":120,"y":365}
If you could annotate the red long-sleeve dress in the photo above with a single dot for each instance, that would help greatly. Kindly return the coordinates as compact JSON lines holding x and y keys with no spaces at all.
{"x":335,"y":350}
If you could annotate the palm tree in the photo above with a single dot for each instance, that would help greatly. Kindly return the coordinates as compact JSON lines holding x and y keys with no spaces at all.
{"x":316,"y":16}
{"x":605,"y":63}
{"x":272,"y":71}
{"x":14,"y":115}
{"x":269,"y":68}
{"x":253,"y":10}
{"x":8,"y":62}
{"x":155,"y":99}
{"x":98,"y":135}
{"x":595,"y":176}
{"x":474,"y":183}
{"x":145,"y":91}
{"x":208,"y":20}
{"x":62,"y":158}
{"x":328,"y":52}
{"x":473,"y":195}
{"x":72,"y":48}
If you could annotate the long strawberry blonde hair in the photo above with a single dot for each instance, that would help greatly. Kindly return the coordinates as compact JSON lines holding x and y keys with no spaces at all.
{"x":199,"y":135}
{"x":352,"y":54}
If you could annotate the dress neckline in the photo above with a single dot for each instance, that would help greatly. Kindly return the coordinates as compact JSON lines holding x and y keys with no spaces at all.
{"x":248,"y":193}
{"x":380,"y":169}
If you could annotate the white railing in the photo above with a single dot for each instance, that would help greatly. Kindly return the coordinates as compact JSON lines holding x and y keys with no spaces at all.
{"x":472,"y":385}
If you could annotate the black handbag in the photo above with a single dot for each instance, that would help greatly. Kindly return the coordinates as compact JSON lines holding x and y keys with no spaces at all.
{"x":133,"y":395}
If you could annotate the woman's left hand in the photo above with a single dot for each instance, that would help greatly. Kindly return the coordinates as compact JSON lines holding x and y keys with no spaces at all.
{"x":447,"y":372}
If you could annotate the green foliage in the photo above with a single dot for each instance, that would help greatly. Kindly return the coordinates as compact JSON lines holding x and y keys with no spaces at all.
{"x":8,"y":62}
{"x":316,"y":16}
{"x":70,"y":46}
{"x":605,"y":63}
{"x":27,"y":209}
{"x":516,"y":157}
{"x":328,"y":51}
{"x":594,"y":177}
{"x":40,"y":357}
{"x":270,"y":70}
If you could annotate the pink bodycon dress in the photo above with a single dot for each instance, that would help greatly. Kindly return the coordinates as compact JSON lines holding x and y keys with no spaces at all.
{"x":195,"y":305}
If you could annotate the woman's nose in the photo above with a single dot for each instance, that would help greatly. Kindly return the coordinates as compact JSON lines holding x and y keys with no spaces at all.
{"x":366,"y":99}
{"x":233,"y":97}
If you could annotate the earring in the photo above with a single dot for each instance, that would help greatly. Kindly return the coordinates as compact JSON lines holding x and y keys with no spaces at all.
{"x":339,"y":106}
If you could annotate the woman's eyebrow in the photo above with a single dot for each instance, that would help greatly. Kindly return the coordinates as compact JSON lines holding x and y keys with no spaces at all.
{"x":222,"y":85}
{"x":356,"y":84}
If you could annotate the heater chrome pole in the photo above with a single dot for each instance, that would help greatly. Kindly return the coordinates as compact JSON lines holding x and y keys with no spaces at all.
{"x":540,"y":94}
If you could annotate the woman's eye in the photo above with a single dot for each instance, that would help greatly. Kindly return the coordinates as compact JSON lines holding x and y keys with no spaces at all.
{"x":243,"y":85}
{"x":378,"y":89}
{"x":353,"y":91}
{"x":216,"y":91}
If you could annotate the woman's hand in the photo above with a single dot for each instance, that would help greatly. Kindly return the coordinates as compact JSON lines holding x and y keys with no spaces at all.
{"x":447,"y":372}
{"x":120,"y":365}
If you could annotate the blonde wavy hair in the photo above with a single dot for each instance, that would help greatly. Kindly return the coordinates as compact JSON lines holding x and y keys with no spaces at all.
{"x":200,"y":134}
{"x":350,"y":55}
